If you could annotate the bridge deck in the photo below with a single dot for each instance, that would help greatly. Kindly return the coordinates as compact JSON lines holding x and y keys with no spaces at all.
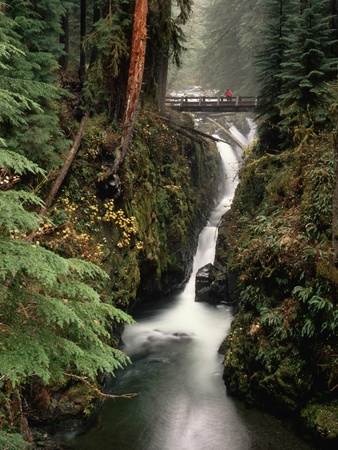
{"x":211,"y":104}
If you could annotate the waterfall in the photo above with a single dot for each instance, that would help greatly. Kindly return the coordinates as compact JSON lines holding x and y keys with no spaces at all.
{"x":208,"y":237}
{"x":177,"y":371}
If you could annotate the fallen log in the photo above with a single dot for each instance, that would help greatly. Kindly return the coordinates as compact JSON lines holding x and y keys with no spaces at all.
{"x":236,"y":141}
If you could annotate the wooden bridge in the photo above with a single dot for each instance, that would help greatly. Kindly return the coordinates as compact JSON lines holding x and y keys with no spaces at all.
{"x":211,"y":104}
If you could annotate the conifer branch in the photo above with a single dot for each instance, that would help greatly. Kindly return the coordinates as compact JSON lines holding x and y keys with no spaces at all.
{"x":97,"y":391}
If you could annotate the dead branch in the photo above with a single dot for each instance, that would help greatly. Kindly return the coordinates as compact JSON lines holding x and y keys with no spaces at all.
{"x":97,"y":391}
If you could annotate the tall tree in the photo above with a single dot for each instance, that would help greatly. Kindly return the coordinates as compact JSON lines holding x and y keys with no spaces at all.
{"x":135,"y":75}
{"x":165,"y":46}
{"x":269,"y":61}
{"x":308,"y":66}
{"x":64,"y":41}
{"x":110,"y":42}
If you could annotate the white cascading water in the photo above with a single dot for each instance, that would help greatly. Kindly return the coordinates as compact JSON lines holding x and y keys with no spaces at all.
{"x":207,"y":239}
{"x":177,"y":371}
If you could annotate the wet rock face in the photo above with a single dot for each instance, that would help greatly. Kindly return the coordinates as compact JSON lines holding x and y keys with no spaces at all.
{"x":212,"y":285}
{"x":77,"y":400}
{"x":202,"y":284}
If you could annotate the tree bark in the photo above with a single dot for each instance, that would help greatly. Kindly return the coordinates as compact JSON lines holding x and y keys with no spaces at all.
{"x":134,"y":84}
{"x":96,"y":18}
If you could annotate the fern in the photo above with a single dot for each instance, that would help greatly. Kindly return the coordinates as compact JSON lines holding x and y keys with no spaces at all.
{"x":270,"y":317}
{"x":304,"y":293}
{"x":308,"y":330}
{"x":19,"y":164}
{"x":320,"y":314}
{"x":318,"y":304}
{"x":52,"y":318}
{"x":12,"y":441}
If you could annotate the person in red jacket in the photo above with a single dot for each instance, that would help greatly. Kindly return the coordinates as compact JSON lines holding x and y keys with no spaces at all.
{"x":228,"y":94}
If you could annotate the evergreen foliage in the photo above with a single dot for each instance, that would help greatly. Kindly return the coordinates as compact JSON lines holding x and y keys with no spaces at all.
{"x":12,"y":441}
{"x":296,"y":64}
{"x":167,"y":40}
{"x":109,"y":42}
{"x":29,"y":50}
{"x":52,"y":319}
{"x":269,"y":60}
{"x":307,"y":68}
{"x":186,"y":74}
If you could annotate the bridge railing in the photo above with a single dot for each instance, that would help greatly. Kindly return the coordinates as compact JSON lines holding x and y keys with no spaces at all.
{"x":212,"y":101}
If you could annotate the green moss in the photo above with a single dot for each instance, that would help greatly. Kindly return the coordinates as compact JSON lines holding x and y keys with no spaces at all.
{"x":322,"y":419}
{"x":78,"y":399}
{"x":166,"y":185}
{"x":276,"y":242}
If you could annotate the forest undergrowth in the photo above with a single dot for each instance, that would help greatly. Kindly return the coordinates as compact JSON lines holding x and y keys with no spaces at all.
{"x":282,"y":351}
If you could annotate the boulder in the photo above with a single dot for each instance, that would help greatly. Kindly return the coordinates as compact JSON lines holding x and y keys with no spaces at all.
{"x":211,"y":285}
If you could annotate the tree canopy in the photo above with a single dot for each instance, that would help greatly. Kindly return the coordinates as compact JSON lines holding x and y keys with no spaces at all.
{"x":297,"y":62}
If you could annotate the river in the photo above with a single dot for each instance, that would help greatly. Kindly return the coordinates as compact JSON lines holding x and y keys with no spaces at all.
{"x":177,"y":371}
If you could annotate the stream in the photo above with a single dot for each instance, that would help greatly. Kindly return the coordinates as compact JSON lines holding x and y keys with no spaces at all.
{"x":177,"y":371}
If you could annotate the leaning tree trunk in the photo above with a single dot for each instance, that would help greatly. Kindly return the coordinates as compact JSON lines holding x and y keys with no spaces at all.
{"x":135,"y":75}
{"x":59,"y":180}
{"x":335,"y":205}
{"x":65,"y":168}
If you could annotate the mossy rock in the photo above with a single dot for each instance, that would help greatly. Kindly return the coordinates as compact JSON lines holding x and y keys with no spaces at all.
{"x":322,"y":420}
{"x":78,"y":399}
